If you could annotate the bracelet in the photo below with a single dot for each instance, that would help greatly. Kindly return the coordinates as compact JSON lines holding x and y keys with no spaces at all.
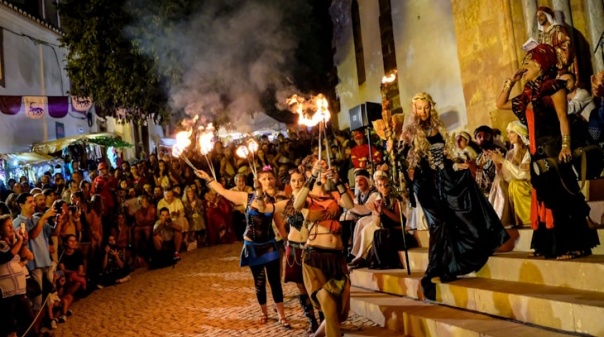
{"x":566,"y":141}
{"x":210,"y":180}
{"x":508,"y":83}
{"x":310,"y":183}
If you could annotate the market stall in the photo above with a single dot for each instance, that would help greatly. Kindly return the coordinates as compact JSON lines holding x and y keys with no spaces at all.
{"x":87,"y":149}
{"x":29,"y":164}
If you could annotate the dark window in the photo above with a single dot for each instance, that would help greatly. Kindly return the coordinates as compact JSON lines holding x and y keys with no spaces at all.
{"x":358,"y":41}
{"x":388,"y":52}
{"x":387,"y":36}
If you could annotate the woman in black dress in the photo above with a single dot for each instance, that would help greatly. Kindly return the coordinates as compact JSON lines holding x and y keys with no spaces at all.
{"x":464,"y":228}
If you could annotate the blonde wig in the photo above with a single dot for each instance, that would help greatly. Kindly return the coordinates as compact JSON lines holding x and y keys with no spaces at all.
{"x":417,"y":130}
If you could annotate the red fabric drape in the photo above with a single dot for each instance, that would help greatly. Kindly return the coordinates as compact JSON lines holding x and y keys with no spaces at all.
{"x":539,"y":213}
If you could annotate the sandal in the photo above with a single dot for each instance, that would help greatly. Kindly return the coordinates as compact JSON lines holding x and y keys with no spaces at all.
{"x":263,"y":319}
{"x":285,"y":323}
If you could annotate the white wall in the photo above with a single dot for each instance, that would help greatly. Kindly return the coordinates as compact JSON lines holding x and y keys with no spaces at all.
{"x":32,"y":70}
{"x":426,"y":56}
{"x":426,"y":48}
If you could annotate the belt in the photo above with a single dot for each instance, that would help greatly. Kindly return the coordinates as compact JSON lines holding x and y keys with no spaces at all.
{"x":297,"y":245}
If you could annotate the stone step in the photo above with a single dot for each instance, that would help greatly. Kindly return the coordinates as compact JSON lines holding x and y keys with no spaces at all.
{"x":373,"y":331}
{"x":522,"y":242}
{"x":553,"y":307}
{"x":420,"y":319}
{"x":582,"y":273}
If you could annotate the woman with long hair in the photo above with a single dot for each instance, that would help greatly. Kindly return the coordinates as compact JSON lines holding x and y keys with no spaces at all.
{"x":514,"y":169}
{"x":296,"y":239}
{"x":324,"y":264}
{"x":260,"y":251}
{"x":464,"y":228}
{"x":195,"y":214}
{"x":15,"y":310}
{"x":162,"y":176}
{"x":559,"y":212}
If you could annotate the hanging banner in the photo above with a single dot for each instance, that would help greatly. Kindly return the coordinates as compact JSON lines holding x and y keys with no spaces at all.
{"x":81,"y":104}
{"x":35,"y":106}
{"x":10,"y":105}
{"x":58,"y":106}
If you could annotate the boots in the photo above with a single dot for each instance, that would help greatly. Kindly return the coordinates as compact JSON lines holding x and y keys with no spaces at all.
{"x":309,"y":312}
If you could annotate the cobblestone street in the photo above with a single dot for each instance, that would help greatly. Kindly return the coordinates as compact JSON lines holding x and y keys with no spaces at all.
{"x":207,"y":294}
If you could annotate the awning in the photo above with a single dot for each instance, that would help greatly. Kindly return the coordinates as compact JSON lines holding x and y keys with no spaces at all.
{"x":59,"y":144}
{"x":27,"y":158}
{"x":167,"y":142}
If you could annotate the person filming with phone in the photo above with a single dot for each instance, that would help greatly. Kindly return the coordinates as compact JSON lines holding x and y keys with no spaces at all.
{"x":39,"y":231}
{"x":167,"y":233}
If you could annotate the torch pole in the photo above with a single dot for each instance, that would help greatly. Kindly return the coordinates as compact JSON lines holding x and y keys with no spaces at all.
{"x":327,"y":145}
{"x":188,"y":162}
{"x":211,"y":166}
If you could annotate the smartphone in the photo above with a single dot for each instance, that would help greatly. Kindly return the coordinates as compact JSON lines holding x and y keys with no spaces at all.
{"x":23,"y":228}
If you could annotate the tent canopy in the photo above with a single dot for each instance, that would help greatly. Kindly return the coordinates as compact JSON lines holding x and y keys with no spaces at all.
{"x":59,"y":144}
{"x":27,"y":158}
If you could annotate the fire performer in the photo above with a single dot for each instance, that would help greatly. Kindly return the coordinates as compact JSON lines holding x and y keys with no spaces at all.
{"x":260,"y":251}
{"x":296,"y":239}
{"x":464,"y":228}
{"x":324,"y":265}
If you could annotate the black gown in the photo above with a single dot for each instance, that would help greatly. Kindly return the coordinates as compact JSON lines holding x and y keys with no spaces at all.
{"x":464,"y":228}
{"x":557,"y":188}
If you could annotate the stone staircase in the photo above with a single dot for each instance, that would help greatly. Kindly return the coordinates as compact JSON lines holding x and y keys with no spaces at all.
{"x":513,"y":295}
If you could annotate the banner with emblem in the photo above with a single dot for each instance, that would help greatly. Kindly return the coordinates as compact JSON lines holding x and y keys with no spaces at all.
{"x":35,"y":107}
{"x":81,"y":104}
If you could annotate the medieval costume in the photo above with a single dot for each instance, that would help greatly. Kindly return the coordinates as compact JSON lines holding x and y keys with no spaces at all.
{"x":559,"y":211}
{"x":326,"y":268}
{"x":557,"y":36}
{"x":464,"y":228}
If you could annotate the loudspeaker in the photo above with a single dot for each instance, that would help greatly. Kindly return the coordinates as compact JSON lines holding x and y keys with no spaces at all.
{"x":362,"y":115}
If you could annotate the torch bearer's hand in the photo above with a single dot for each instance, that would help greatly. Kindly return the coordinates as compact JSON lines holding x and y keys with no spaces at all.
{"x":332,"y":175}
{"x":202,"y":174}
{"x":257,"y":185}
{"x":318,"y":168}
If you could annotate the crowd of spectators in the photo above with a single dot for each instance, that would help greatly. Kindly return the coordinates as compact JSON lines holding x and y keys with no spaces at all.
{"x":78,"y":230}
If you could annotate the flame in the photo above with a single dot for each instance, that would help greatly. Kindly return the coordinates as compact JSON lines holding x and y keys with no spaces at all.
{"x":206,"y":139}
{"x":242,"y":152}
{"x":182,"y":142}
{"x":252,"y":145}
{"x":389,"y":78}
{"x":318,"y":103}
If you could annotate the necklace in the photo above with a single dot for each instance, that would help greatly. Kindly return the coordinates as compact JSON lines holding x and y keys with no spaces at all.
{"x":428,"y":130}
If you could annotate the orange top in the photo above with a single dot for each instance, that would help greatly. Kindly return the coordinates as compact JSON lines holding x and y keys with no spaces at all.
{"x":325,"y":212}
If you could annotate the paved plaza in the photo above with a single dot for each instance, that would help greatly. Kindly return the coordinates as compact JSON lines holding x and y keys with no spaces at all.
{"x":206,"y":294}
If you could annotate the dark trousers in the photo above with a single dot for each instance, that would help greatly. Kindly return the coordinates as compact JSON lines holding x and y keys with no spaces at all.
{"x":272,"y":271}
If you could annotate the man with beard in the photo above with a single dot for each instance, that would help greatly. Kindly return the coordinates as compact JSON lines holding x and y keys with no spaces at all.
{"x":40,"y":201}
{"x":366,"y":194}
{"x":555,"y":34}
{"x":484,"y":168}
